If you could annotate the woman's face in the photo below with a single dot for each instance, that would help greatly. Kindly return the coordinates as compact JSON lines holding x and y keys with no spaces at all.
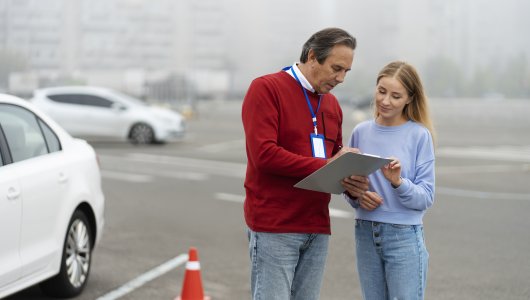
{"x":390,"y":99}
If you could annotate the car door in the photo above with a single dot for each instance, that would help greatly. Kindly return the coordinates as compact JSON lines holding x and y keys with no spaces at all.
{"x":105,"y":115}
{"x":43,"y":180}
{"x":10,"y":216}
{"x":67,"y":110}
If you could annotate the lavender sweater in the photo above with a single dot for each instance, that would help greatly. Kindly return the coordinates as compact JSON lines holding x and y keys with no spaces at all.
{"x":412,"y":144}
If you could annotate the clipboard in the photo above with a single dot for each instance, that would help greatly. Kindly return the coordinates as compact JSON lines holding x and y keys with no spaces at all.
{"x":327,"y":179}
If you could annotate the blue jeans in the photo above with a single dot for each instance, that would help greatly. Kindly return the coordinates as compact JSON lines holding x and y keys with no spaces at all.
{"x":287,"y":265}
{"x":391,"y":260}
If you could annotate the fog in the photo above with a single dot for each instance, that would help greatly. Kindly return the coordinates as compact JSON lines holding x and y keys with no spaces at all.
{"x":182,"y":50}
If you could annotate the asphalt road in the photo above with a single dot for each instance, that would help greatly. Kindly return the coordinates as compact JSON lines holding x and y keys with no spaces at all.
{"x":162,"y":199}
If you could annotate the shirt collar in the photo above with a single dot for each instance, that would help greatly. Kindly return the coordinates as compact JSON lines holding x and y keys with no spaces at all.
{"x":301,"y":76}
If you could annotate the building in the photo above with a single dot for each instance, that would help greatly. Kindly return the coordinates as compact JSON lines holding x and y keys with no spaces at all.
{"x":214,"y":48}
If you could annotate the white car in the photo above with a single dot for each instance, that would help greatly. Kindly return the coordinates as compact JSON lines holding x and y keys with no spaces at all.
{"x":51,"y":203}
{"x":100,"y":112}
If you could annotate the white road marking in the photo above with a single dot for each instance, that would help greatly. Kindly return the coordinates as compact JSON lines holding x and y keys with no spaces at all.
{"x":482,"y":169}
{"x":501,"y":153}
{"x":333,"y":212}
{"x":142,"y":178}
{"x":230,"y":197}
{"x":337,"y":213}
{"x":230,"y":169}
{"x":224,"y":146}
{"x":238,"y":170}
{"x":126,"y":176}
{"x":481,"y":195}
{"x":194,"y":176}
{"x":145,"y":277}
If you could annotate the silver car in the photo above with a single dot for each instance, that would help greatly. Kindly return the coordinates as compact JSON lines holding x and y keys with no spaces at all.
{"x":88,"y":111}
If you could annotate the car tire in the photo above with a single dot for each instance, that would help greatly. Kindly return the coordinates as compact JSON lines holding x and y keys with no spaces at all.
{"x":75,"y":261}
{"x":142,"y":133}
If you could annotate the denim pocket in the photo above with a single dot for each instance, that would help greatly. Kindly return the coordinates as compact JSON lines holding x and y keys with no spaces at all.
{"x":401,"y":226}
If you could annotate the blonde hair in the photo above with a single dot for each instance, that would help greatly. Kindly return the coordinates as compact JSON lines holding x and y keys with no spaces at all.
{"x":418,"y":109}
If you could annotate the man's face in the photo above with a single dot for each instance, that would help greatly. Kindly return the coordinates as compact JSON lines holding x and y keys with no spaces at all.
{"x":324,"y":77}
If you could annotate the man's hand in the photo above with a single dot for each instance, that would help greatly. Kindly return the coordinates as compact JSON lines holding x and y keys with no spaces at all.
{"x":341,"y":152}
{"x":356,"y":186}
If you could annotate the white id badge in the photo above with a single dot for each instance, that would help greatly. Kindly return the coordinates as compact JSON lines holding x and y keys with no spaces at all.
{"x":317,"y":145}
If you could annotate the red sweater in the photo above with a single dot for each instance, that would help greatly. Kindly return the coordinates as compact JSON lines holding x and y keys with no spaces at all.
{"x":277,"y":124}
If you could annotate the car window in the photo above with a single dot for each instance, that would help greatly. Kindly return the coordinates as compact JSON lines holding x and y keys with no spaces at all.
{"x":52,"y":141}
{"x":96,"y":101}
{"x":66,"y":98}
{"x":81,"y":99}
{"x":22,"y":132}
{"x":2,"y":162}
{"x":4,"y":154}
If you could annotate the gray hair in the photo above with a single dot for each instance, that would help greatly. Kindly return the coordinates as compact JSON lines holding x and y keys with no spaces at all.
{"x":323,"y":41}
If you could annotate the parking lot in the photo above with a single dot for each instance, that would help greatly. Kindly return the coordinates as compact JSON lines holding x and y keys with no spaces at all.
{"x":162,"y":199}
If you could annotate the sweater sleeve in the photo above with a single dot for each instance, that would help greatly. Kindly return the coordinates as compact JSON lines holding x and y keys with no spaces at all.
{"x":338,"y":144}
{"x":417,"y":192}
{"x":260,"y":114}
{"x":354,"y":202}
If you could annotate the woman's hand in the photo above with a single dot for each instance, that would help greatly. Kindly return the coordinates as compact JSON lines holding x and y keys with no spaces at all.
{"x":370,"y":200}
{"x":392,"y":172}
{"x":357,"y":187}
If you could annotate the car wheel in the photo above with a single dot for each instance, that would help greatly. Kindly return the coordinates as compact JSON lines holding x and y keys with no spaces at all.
{"x":75,"y":261}
{"x":142,"y":133}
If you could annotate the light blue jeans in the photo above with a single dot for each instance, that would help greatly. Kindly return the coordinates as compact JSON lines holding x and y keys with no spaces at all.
{"x":391,"y":260}
{"x":287,"y":265}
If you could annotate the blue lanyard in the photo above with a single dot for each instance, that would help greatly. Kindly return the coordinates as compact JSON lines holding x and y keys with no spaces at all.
{"x":308,"y":102}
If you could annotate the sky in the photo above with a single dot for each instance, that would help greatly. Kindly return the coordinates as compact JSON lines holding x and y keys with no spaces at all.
{"x":472,"y":48}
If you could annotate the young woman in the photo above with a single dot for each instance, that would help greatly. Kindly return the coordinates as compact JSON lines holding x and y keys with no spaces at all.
{"x":391,"y":254}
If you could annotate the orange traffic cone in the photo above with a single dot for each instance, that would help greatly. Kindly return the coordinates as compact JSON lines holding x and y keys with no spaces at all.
{"x":192,"y":285}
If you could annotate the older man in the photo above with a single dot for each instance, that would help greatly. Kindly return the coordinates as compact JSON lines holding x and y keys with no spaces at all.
{"x":292,"y":126}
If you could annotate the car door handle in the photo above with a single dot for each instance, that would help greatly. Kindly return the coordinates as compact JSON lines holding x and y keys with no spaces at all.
{"x":12,"y":193}
{"x":62,"y":178}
